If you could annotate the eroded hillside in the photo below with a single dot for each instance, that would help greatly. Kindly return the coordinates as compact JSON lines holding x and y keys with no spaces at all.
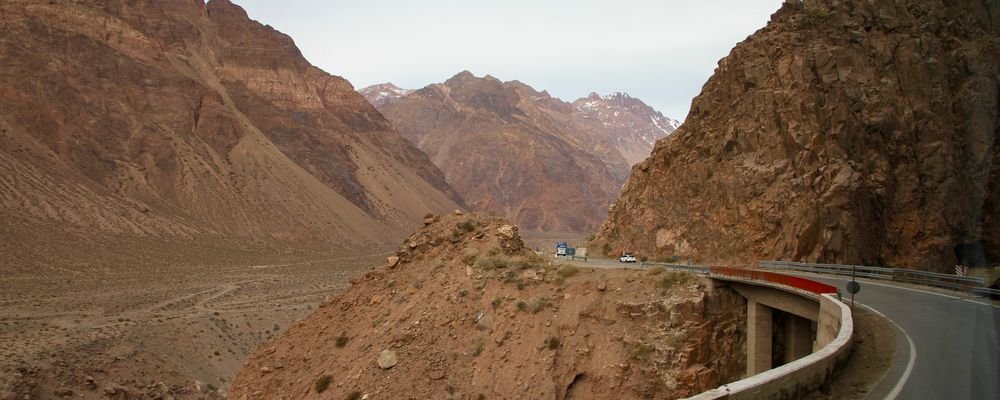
{"x":181,"y":120}
{"x":465,"y":311}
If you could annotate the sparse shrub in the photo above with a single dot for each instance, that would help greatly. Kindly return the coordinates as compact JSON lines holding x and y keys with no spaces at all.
{"x":538,"y":304}
{"x":642,"y":352}
{"x":463,"y":293}
{"x":429,"y":216}
{"x":467,"y":226}
{"x":673,"y":278}
{"x":536,"y":260}
{"x":567,"y":270}
{"x":816,"y":14}
{"x":496,"y":302}
{"x":478,"y":348}
{"x":493,"y":262}
{"x":512,"y":277}
{"x":341,"y":341}
{"x":553,"y":343}
{"x":450,"y":389}
{"x":469,"y":255}
{"x":656,"y":270}
{"x":522,"y":305}
{"x":355,"y":395}
{"x":323,"y":383}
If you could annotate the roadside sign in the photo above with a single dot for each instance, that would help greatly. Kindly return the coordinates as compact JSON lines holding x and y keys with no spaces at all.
{"x":570,"y":251}
{"x":853,"y":287}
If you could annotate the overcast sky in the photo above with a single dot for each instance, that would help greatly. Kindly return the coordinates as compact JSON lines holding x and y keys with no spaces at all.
{"x":660,"y":51}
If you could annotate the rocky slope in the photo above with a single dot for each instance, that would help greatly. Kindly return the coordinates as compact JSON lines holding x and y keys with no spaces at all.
{"x":513,"y":151}
{"x":848,"y":132}
{"x":465,"y":311}
{"x":181,"y":120}
{"x":632,"y":126}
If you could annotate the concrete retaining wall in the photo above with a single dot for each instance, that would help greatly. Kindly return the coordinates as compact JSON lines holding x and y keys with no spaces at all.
{"x":835,"y":330}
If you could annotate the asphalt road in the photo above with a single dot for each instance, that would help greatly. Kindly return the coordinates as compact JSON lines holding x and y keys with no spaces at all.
{"x":956,"y":341}
{"x":948,"y":347}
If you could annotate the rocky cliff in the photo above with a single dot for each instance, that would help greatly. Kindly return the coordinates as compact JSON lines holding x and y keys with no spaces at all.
{"x":181,"y":120}
{"x":465,"y":311}
{"x":846,"y":131}
{"x":513,"y":151}
{"x":631,"y":126}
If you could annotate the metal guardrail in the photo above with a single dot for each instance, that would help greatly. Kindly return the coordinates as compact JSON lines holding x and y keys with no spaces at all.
{"x":948,"y":281}
{"x":781,"y":279}
{"x":987,"y":292}
{"x":836,"y":269}
{"x":695,"y":269}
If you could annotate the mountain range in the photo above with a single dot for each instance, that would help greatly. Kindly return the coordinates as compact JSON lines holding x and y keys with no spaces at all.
{"x":189,"y":121}
{"x":512,"y":151}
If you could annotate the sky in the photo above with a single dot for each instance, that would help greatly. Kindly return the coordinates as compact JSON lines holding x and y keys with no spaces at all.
{"x":660,"y":51}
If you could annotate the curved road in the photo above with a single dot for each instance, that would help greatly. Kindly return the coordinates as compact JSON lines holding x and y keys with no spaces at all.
{"x":956,"y":341}
{"x":948,"y":347}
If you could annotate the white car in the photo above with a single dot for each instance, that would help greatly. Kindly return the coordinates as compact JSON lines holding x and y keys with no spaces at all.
{"x":627,"y":258}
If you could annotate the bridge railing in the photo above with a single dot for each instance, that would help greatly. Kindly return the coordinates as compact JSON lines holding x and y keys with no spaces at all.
{"x":750,"y":274}
{"x":781,"y":279}
{"x":947,"y":281}
{"x":797,"y":378}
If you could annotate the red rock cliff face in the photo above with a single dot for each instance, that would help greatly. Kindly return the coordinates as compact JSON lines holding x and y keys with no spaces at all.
{"x":180,"y":119}
{"x":849,"y":131}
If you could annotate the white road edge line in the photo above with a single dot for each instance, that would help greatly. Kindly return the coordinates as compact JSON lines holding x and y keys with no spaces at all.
{"x":909,"y":365}
{"x":868,"y":281}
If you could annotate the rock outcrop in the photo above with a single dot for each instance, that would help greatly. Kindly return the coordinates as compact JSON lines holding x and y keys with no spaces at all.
{"x":512,"y":151}
{"x":184,"y":120}
{"x":465,"y":311}
{"x":845,"y":131}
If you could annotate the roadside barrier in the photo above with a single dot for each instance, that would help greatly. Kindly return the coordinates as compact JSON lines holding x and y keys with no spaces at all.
{"x":971,"y":284}
{"x":795,"y":379}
